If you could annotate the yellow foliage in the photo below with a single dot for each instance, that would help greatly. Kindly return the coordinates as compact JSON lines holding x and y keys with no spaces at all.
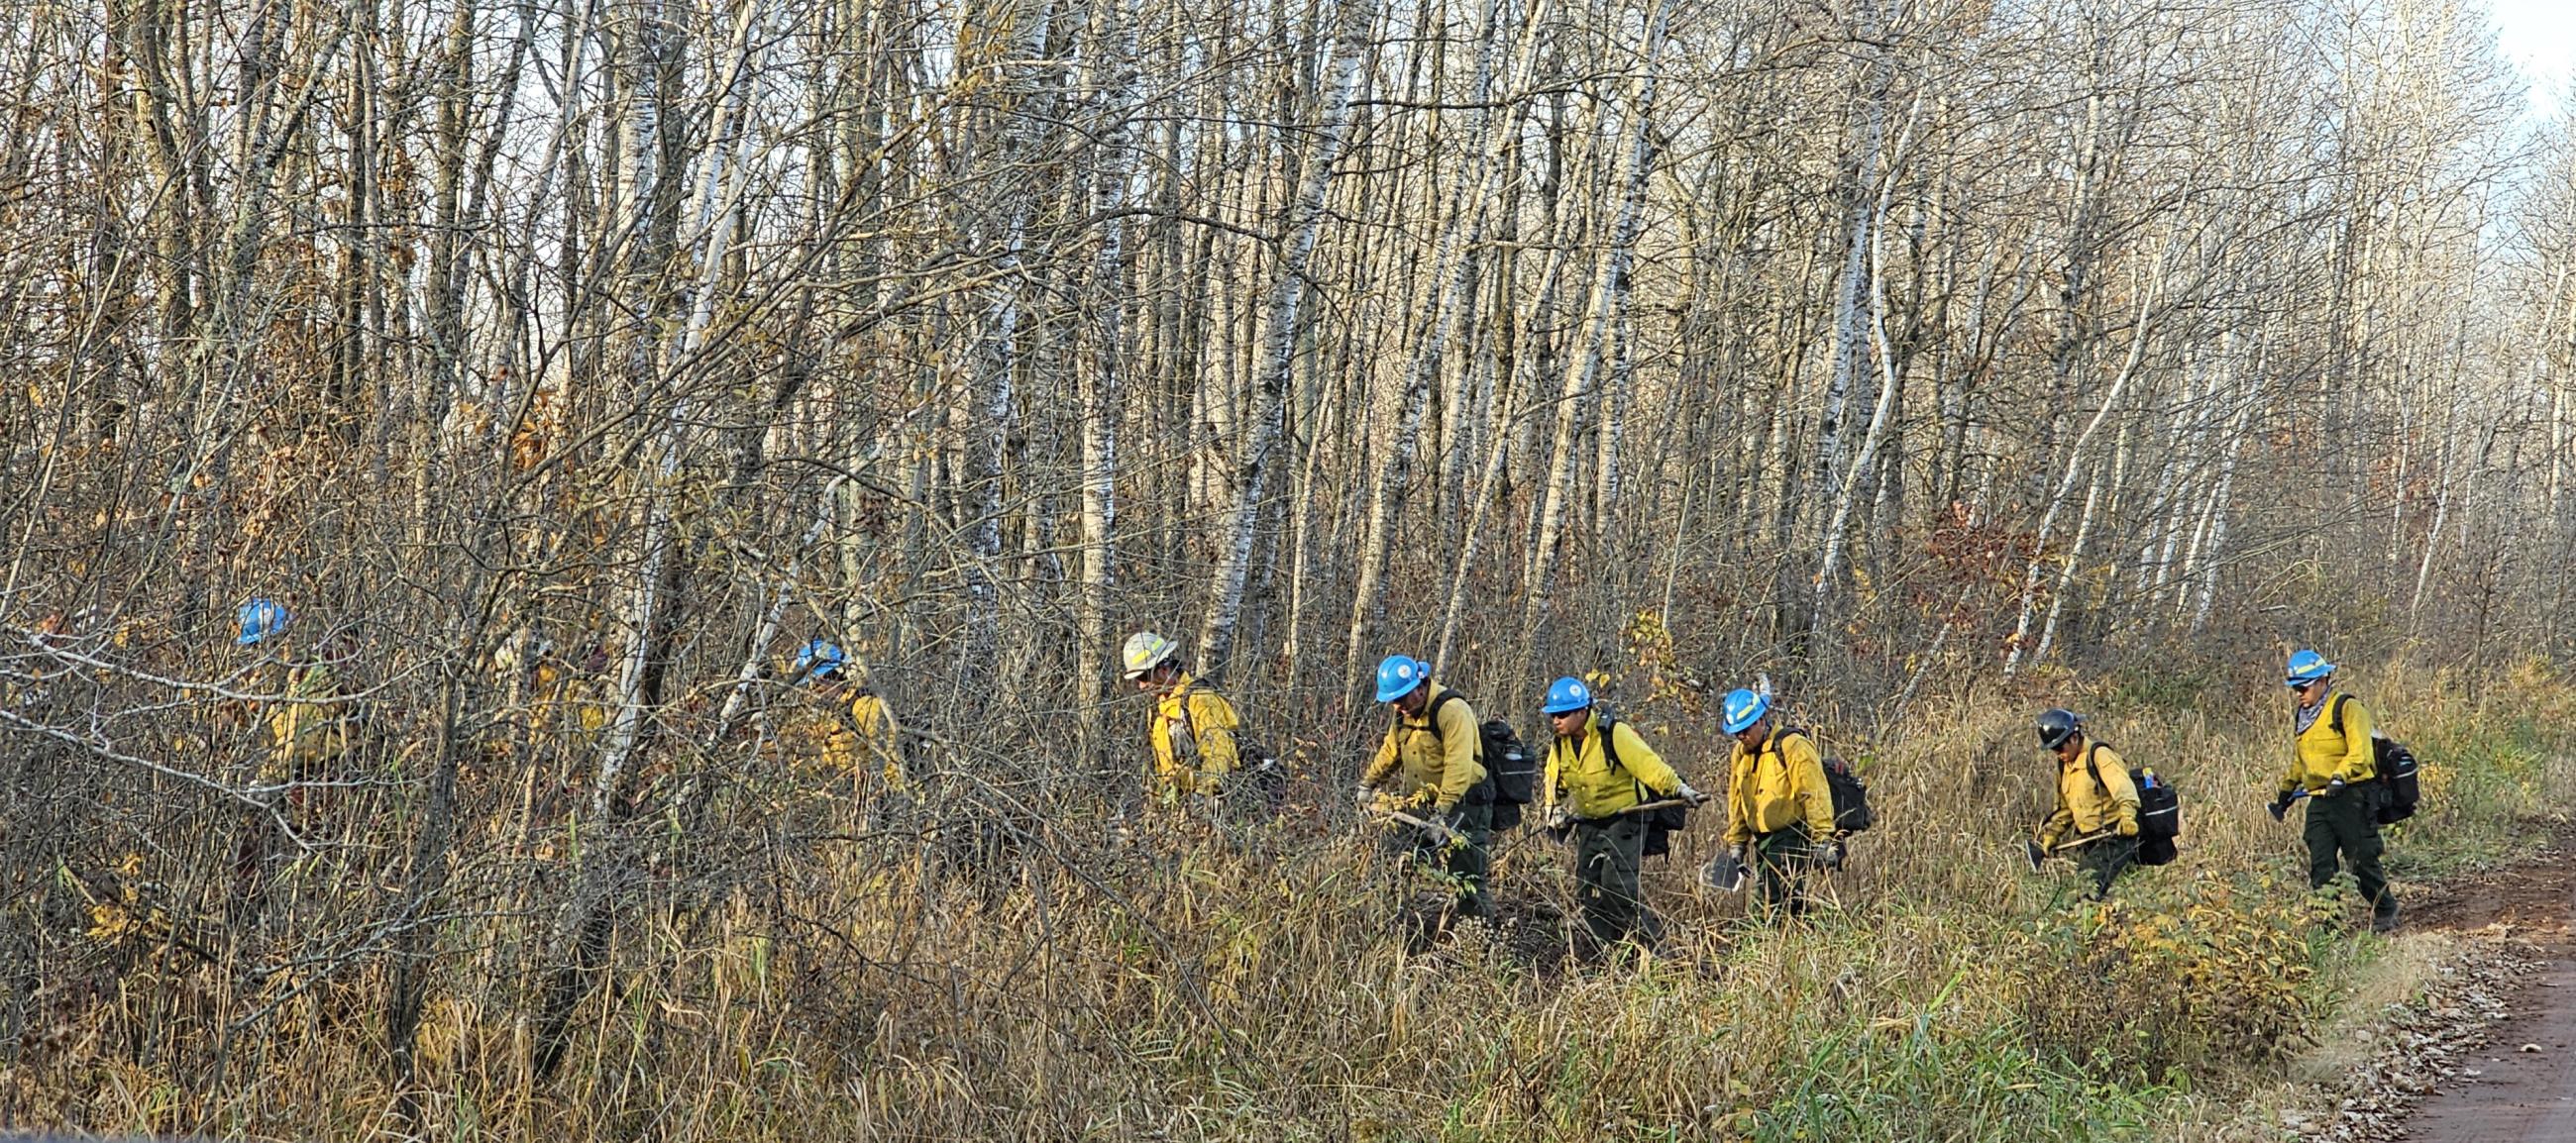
{"x":2225,"y":975}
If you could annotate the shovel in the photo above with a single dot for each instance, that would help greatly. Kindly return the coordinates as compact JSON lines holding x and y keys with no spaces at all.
{"x":1651,"y":807}
{"x":1437,"y":829}
{"x":1723,"y":872}
{"x":2032,"y":850}
{"x":2072,"y":844}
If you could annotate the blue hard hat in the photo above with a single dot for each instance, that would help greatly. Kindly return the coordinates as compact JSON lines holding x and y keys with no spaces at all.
{"x":1566,"y":694}
{"x":1742,"y":709}
{"x":2308,"y":667}
{"x":817,"y":658}
{"x":260,"y":619}
{"x":1398,"y":675}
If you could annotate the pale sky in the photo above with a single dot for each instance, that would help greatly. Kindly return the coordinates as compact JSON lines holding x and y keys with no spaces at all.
{"x":2540,"y":37}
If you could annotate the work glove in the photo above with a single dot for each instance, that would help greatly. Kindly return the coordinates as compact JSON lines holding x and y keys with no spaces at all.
{"x":2333,"y":786}
{"x":1559,"y":821}
{"x":2128,"y":827}
{"x":1692,"y":796}
{"x":1367,"y":798}
{"x":2281,"y":805}
{"x":2036,"y":852}
{"x":1831,"y":856}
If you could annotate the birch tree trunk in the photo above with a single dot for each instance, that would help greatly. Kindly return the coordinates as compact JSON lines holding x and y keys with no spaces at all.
{"x":1238,"y":525}
{"x":1103,"y":384}
{"x":2031,"y":577}
{"x":1611,"y":286}
{"x":1454,"y":268}
{"x":1013,"y":201}
{"x":1846,"y":491}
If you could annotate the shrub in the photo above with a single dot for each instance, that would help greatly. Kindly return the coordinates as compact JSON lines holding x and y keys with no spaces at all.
{"x":2143,"y":988}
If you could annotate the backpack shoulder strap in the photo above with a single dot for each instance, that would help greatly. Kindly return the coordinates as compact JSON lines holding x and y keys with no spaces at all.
{"x":2093,"y":763}
{"x":1779,"y":745}
{"x":1431,"y":716}
{"x":1610,"y":753}
{"x":2336,"y":711}
{"x":1431,"y":713}
{"x":1203,"y":687}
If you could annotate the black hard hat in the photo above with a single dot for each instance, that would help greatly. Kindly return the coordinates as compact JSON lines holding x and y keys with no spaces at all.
{"x":2056,"y":725}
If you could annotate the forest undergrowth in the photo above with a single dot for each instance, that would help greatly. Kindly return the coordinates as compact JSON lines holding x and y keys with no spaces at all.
{"x":1122,"y":980}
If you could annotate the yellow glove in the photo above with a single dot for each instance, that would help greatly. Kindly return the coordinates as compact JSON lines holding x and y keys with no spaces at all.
{"x":2128,"y":825}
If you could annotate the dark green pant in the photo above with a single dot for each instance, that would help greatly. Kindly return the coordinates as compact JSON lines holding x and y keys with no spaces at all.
{"x":1607,"y":853}
{"x":1465,"y":864}
{"x":1777,"y":857}
{"x":2344,"y":824}
{"x":2106,"y":860}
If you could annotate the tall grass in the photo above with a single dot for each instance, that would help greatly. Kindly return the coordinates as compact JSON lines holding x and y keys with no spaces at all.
{"x":1184,"y":985}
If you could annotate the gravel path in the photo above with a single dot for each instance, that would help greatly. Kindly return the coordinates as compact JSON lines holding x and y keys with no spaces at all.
{"x":2484,"y":1054}
{"x":2521,"y":1087}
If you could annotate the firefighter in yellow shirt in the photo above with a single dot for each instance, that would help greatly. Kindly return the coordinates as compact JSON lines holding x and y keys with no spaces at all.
{"x":858,"y":734}
{"x":1598,"y":771}
{"x":306,"y":731}
{"x":2336,"y":768}
{"x":1191,"y":731}
{"x":307,"y":725}
{"x":1779,"y":811}
{"x":2095,"y":799}
{"x":1430,"y":765}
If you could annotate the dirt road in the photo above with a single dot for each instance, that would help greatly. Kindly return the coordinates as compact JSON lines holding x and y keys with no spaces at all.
{"x":2502,"y":1093}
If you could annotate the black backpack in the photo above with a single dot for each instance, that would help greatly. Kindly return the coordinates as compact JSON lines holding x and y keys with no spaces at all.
{"x":1852,"y":813}
{"x":1663,"y":822}
{"x":1851,"y":797}
{"x":1260,"y":782}
{"x":2159,"y":809}
{"x":1509,"y":769}
{"x":2394,"y":766}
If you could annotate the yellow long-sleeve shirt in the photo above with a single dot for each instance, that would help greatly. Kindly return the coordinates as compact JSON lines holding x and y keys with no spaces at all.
{"x":1192,"y":732}
{"x":1778,"y":786}
{"x":867,"y":741}
{"x":2321,"y":754}
{"x":2087,"y":805}
{"x":565,"y":705}
{"x":304,"y":728}
{"x":1432,"y":756}
{"x":1582,"y":778}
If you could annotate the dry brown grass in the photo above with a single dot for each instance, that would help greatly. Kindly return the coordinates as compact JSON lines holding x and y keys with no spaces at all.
{"x":845,"y":984}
